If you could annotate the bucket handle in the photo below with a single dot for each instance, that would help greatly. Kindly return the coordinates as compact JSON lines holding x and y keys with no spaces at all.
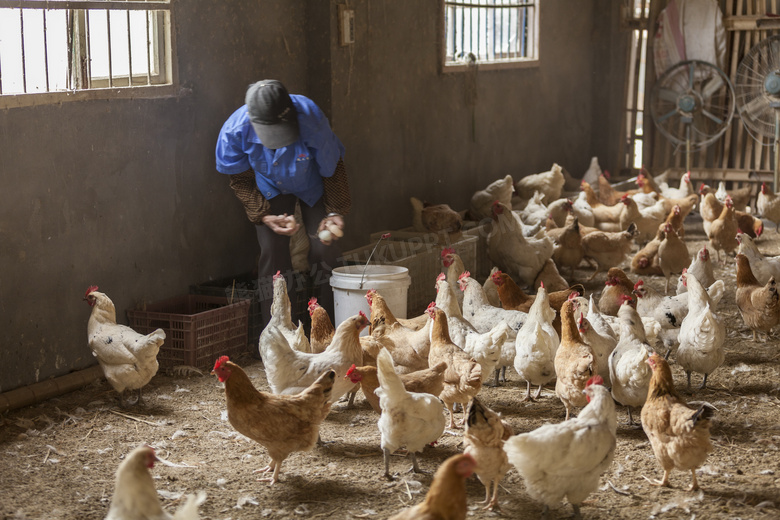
{"x":383,"y":237}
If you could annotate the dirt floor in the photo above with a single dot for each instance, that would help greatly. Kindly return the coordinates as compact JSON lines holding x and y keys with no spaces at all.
{"x":59,"y":457}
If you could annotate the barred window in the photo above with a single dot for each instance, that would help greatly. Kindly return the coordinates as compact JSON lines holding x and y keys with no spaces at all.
{"x":72,"y":46}
{"x":495,"y":33}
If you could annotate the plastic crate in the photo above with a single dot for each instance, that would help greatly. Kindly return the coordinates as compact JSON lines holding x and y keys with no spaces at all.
{"x":198,"y":328}
{"x":482,"y":262}
{"x":421,"y":254}
{"x":245,"y":286}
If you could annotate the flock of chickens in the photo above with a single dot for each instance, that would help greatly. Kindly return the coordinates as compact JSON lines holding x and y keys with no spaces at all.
{"x":601,"y":350}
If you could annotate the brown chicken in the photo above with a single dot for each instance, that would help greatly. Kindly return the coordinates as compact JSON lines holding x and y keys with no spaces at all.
{"x":646,"y":260}
{"x":575,"y":362}
{"x":686,"y":204}
{"x":608,"y":249}
{"x":446,"y":499}
{"x":673,"y":255}
{"x":484,"y":439}
{"x":384,"y":323}
{"x":283,"y":424}
{"x":406,"y":359}
{"x":758,"y":304}
{"x":428,"y":381}
{"x":679,"y":433}
{"x":463,"y":376}
{"x":436,"y":218}
{"x":567,"y":250}
{"x":616,"y":286}
{"x":723,"y":231}
{"x":748,"y":224}
{"x":514,"y":298}
{"x":609,"y":195}
{"x":675,"y":219}
{"x":322,"y":329}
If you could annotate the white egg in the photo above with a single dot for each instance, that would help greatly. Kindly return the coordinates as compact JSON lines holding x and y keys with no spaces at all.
{"x":325,"y":236}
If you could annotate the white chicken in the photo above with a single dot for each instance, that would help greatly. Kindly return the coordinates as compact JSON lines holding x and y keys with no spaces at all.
{"x":549,"y":183}
{"x":558,"y":210}
{"x":536,"y":345}
{"x":484,"y":347}
{"x":567,"y":459}
{"x":650,"y":218}
{"x":455,"y":267}
{"x":135,"y":497}
{"x":763,"y":267}
{"x":128,"y":359}
{"x":523,"y":258}
{"x":686,"y":188}
{"x":701,"y":268}
{"x":483,"y":316}
{"x":481,"y":203}
{"x":702,"y":334}
{"x":281,"y":319}
{"x":534,"y":213}
{"x":628,"y":371}
{"x":408,"y":418}
{"x":290,"y":371}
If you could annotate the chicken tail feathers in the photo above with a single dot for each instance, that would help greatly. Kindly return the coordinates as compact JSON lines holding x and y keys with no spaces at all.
{"x":189,"y":511}
{"x":703,"y":412}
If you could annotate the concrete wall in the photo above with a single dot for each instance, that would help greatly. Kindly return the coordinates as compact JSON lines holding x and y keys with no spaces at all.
{"x":123,"y":193}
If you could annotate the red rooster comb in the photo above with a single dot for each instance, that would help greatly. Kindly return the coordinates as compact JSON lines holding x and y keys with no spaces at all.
{"x":351,"y":369}
{"x":572,"y":296}
{"x":430,"y":306}
{"x":595,"y":380}
{"x":312,"y":301}
{"x":639,"y":284}
{"x":221,"y":361}
{"x":90,"y":290}
{"x":447,"y":251}
{"x":441,"y":277}
{"x":363,"y":315}
{"x":278,"y":275}
{"x":606,"y":175}
{"x":624,"y":298}
{"x":370,"y":296}
{"x":464,"y":274}
{"x":541,"y":284}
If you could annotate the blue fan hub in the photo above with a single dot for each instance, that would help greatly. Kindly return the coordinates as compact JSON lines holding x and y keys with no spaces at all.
{"x":687,"y":103}
{"x":772,"y":83}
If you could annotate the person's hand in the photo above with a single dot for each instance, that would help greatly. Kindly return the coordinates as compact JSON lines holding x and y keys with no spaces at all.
{"x":282,"y":224}
{"x":330,"y":229}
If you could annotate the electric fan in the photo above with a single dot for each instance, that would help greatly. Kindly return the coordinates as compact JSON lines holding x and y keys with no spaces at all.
{"x":757,"y":86}
{"x":692,"y":104}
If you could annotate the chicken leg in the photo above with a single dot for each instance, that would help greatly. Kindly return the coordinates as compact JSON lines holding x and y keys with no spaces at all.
{"x":527,"y":393}
{"x":694,"y":483}
{"x":491,"y":502}
{"x":273,"y":466}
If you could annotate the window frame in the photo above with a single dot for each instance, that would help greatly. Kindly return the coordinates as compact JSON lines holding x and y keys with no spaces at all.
{"x":118,"y":87}
{"x":513,"y":63}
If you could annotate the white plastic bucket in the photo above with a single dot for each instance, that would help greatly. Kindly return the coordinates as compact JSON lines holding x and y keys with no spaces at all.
{"x":349,"y":297}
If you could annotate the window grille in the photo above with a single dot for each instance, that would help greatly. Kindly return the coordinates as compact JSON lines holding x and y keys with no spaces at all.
{"x":49,"y":46}
{"x":490,"y":31}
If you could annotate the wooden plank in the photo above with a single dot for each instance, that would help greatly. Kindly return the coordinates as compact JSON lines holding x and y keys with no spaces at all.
{"x":724,"y":161}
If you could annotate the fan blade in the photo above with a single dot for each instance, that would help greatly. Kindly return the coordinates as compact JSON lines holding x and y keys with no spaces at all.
{"x":712,"y":116}
{"x":668,"y":95}
{"x":711,"y":87}
{"x":666,"y":116}
{"x":755,"y":107}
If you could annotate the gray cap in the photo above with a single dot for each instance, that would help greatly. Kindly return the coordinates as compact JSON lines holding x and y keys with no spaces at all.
{"x":272,"y":113}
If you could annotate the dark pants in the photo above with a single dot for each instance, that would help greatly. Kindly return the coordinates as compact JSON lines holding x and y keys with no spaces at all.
{"x":275,"y":256}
